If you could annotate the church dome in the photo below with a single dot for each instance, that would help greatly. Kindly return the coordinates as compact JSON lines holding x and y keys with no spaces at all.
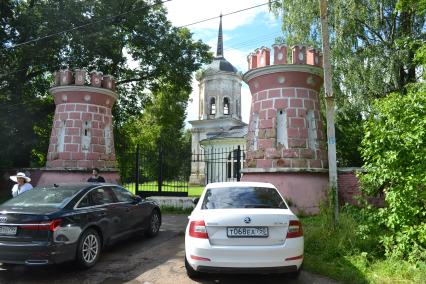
{"x":220,"y":64}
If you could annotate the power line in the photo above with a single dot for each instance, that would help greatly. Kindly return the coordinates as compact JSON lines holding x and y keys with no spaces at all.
{"x":227,"y":14}
{"x":84,"y":25}
{"x":240,"y":44}
{"x":258,"y":40}
{"x":112,"y":17}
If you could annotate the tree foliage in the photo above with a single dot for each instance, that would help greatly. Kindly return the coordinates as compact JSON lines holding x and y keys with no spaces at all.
{"x":159,"y":128}
{"x":394,"y":150}
{"x":373,"y":47}
{"x":109,"y":36}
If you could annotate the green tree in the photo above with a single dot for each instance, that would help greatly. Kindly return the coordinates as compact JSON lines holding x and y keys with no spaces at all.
{"x":104,"y":35}
{"x":394,"y":150}
{"x":373,"y":53}
{"x":164,"y":114}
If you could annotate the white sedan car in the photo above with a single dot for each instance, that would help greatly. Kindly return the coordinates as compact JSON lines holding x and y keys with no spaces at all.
{"x":243,"y":227}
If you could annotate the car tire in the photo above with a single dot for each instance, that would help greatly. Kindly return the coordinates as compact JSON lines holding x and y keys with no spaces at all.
{"x":191,"y":272}
{"x":154,"y":224}
{"x":89,"y":249}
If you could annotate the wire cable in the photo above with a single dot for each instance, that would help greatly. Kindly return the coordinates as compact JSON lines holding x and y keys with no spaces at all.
{"x":112,"y":17}
{"x":227,"y":14}
{"x":233,"y":47}
{"x":83,"y":26}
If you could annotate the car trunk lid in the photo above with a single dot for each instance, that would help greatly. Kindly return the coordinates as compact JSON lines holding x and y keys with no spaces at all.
{"x":239,"y":227}
{"x":24,"y":226}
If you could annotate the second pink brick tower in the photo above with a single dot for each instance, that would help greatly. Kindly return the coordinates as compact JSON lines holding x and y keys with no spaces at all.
{"x":286,"y":143}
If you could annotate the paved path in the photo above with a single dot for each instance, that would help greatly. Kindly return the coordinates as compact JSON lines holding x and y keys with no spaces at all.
{"x":140,"y":260}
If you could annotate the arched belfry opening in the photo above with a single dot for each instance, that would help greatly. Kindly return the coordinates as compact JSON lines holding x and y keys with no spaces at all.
{"x":212,"y":106}
{"x":226,"y":106}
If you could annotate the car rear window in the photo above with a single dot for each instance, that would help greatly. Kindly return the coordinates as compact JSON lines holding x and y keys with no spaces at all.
{"x":242,"y":197}
{"x":53,"y":197}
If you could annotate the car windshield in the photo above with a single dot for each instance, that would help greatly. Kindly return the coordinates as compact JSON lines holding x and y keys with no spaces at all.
{"x":53,"y":197}
{"x":242,"y":197}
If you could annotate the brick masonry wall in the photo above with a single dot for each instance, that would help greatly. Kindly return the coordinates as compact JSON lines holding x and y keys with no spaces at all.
{"x":349,"y":188}
{"x":82,"y":136}
{"x":74,"y":115}
{"x":296,"y":102}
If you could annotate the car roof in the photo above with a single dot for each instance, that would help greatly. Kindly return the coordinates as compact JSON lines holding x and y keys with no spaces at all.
{"x":80,"y":185}
{"x":239,"y":184}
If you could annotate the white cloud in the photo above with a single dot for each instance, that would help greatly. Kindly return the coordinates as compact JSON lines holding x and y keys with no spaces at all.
{"x":185,"y":12}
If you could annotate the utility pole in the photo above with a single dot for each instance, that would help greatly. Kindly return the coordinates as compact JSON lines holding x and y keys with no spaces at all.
{"x":328,"y":86}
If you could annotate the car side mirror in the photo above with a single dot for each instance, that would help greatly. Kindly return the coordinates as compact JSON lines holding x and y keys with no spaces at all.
{"x":195,"y":200}
{"x":137,"y":199}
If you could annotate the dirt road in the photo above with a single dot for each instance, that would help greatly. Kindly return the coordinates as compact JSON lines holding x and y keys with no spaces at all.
{"x":140,"y":260}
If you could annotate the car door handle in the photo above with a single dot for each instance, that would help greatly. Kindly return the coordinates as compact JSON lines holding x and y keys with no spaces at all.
{"x":101,"y":214}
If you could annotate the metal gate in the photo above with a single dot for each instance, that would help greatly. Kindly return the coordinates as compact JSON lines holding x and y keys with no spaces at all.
{"x":156,"y":172}
{"x":166,"y":172}
{"x":223,"y":164}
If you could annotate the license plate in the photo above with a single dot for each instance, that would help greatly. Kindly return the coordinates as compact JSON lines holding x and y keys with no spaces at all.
{"x":8,"y":230}
{"x":247,"y":232}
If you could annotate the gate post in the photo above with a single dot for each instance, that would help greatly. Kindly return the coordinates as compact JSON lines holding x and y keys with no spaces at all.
{"x":137,"y":169}
{"x":160,"y":168}
{"x":238,"y":163}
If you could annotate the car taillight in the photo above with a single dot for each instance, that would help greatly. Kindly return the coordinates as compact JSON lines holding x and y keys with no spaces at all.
{"x":197,"y":229}
{"x":294,"y":229}
{"x":43,"y":226}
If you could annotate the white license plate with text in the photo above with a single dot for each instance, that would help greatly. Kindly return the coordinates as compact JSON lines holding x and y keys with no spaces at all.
{"x":8,"y":230}
{"x":247,"y":232}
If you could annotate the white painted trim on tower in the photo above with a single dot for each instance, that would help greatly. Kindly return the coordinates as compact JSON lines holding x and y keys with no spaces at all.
{"x":72,"y":88}
{"x":272,"y":69}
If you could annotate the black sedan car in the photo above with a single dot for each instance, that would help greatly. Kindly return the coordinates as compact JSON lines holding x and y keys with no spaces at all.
{"x":47,"y":225}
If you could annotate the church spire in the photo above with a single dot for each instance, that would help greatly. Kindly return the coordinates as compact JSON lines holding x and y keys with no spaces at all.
{"x":219,"y":52}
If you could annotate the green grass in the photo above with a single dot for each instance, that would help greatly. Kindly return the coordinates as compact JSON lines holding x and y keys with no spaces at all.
{"x":193,"y":191}
{"x":343,"y":255}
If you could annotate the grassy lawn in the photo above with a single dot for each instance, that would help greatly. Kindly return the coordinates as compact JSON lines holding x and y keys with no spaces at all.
{"x":344,"y":256}
{"x":193,"y":191}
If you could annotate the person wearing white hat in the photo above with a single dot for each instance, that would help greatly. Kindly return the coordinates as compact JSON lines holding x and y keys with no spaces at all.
{"x":23,"y":184}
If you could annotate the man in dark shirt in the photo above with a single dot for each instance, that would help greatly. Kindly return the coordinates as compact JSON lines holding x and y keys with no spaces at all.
{"x":95,"y":176}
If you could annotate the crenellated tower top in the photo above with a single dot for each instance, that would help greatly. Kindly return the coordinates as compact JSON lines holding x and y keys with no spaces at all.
{"x":300,"y":54}
{"x":66,"y":77}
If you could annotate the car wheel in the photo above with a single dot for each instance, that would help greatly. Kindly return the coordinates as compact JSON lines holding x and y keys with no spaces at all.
{"x":191,"y":272}
{"x":154,"y":224}
{"x":89,"y":249}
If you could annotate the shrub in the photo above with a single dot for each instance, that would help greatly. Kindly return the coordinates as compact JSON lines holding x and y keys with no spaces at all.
{"x":394,"y":151}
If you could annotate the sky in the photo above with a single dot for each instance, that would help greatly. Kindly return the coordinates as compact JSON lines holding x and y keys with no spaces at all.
{"x":243,"y":32}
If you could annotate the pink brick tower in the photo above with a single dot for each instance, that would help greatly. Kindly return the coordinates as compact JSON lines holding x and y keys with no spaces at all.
{"x":82,"y":133}
{"x":286,"y":141}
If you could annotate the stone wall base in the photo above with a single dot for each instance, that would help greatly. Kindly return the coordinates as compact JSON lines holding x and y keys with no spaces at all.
{"x":197,"y":179}
{"x":303,"y":191}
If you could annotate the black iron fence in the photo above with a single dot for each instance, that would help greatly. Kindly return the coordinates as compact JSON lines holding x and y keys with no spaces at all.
{"x":166,"y":172}
{"x":151,"y":172}
{"x":223,"y":164}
